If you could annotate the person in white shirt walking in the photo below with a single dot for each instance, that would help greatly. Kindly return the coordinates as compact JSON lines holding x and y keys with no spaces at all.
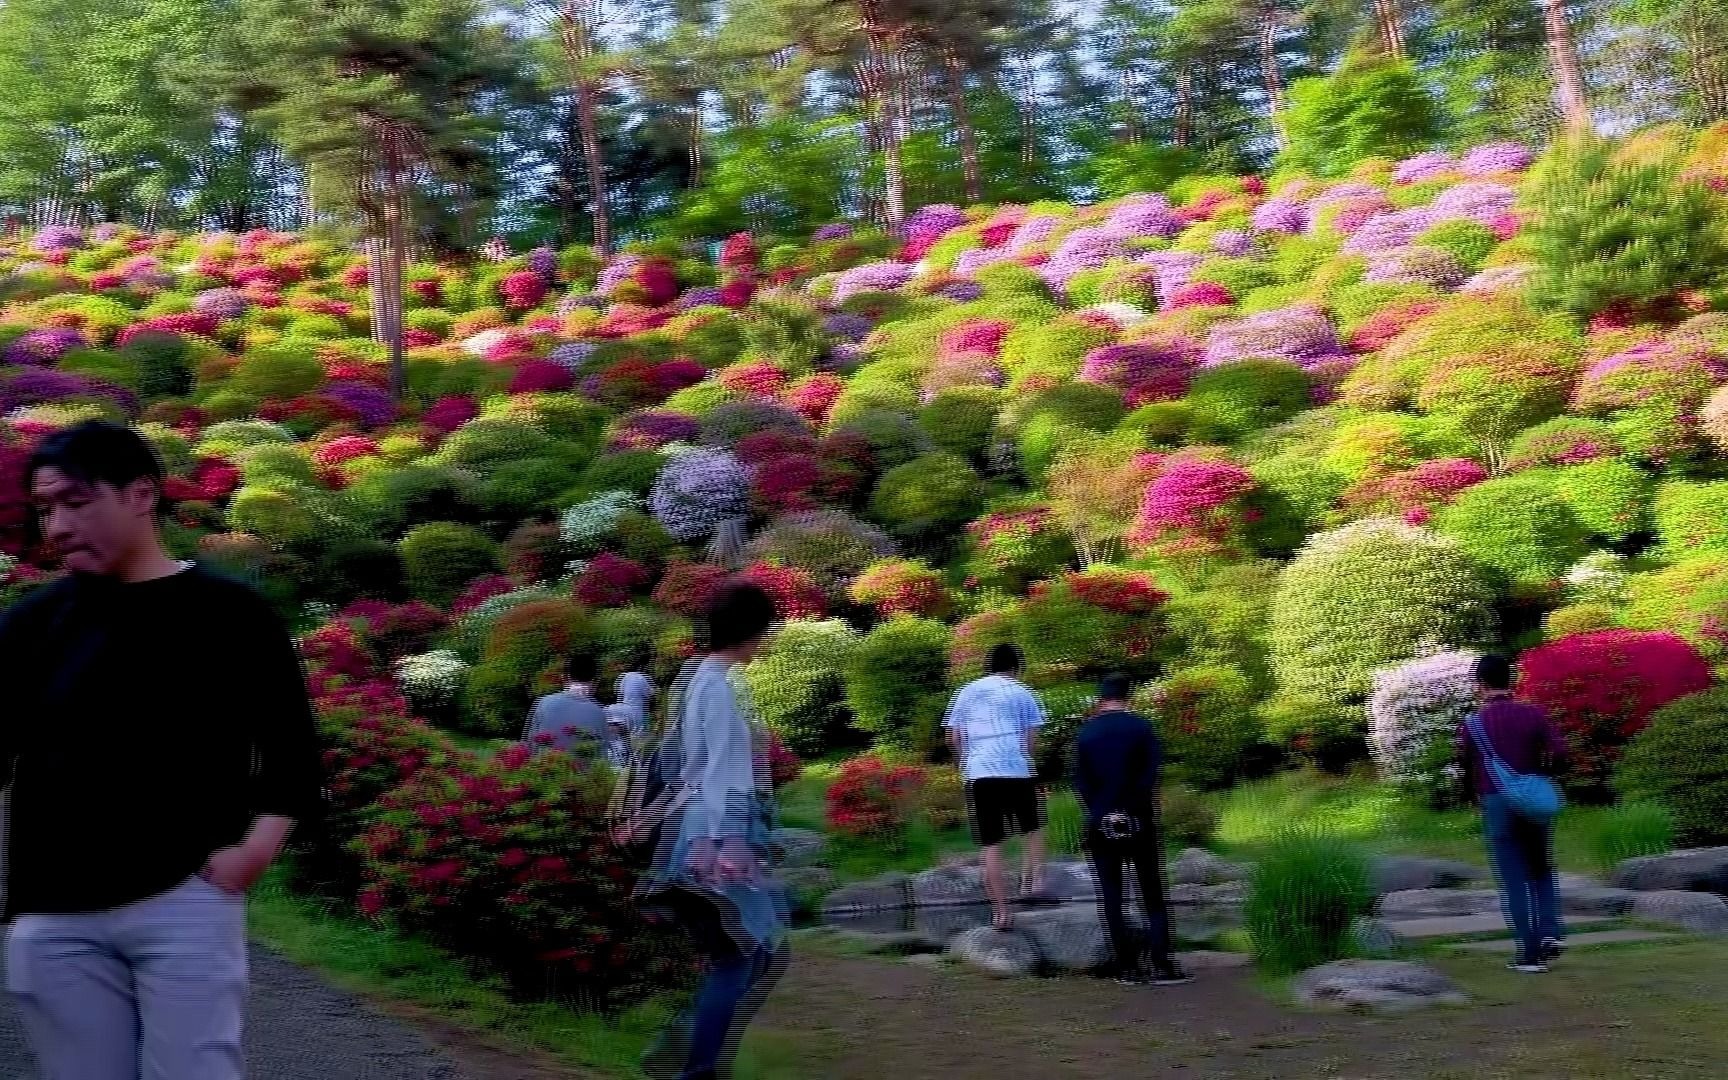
{"x":992,"y":724}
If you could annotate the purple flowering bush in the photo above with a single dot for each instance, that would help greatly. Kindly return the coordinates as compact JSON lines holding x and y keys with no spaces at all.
{"x":699,"y":489}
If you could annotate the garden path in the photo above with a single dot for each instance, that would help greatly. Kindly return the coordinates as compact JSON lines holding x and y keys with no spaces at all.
{"x":300,"y":1028}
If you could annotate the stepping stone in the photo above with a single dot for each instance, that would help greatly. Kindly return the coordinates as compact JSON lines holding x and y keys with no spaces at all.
{"x":1596,"y":937}
{"x":1456,"y":925}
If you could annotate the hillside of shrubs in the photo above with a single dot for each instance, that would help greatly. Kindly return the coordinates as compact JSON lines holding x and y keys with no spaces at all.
{"x":1300,"y":449}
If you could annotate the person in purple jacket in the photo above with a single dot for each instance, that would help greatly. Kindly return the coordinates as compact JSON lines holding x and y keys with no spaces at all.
{"x":1521,"y":849}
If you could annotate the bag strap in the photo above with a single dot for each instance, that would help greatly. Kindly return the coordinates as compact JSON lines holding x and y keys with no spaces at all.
{"x":1490,"y":756}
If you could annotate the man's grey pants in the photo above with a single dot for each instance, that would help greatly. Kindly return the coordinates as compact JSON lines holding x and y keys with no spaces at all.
{"x":154,"y":990}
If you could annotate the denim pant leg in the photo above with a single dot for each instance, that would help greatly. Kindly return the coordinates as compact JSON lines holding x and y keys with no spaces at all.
{"x":726,"y":1004}
{"x":73,"y":992}
{"x":1537,"y":840}
{"x":1508,"y":856}
{"x":187,"y":951}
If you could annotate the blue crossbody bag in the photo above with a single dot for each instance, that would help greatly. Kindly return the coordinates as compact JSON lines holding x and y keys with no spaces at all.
{"x":1531,"y":796}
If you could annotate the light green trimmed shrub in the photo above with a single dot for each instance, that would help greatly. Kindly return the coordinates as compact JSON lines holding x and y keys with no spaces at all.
{"x":896,"y":683}
{"x":798,"y":683}
{"x":1518,"y":527}
{"x":277,"y":372}
{"x":960,"y":420}
{"x":1609,"y":497}
{"x":1207,"y":718}
{"x":926,"y":495}
{"x":440,"y":558}
{"x":1692,"y":518}
{"x":1244,"y":396}
{"x":1689,"y":598}
{"x":1680,"y":762}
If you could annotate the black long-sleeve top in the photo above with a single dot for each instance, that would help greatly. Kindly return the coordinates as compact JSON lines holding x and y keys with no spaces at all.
{"x":1117,"y":757}
{"x":144,"y":726}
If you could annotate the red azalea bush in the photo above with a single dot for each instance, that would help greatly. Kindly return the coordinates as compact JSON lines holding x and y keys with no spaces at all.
{"x":754,"y":378}
{"x":873,"y":800}
{"x":541,"y":376}
{"x":785,"y":484}
{"x":393,"y":631}
{"x":1125,"y":592}
{"x":449,"y":413}
{"x":1415,"y":491}
{"x":1200,"y":294}
{"x":783,"y":765}
{"x":1601,"y":688}
{"x":523,"y":290}
{"x":609,"y":581}
{"x":479,"y":591}
{"x":760,"y":447}
{"x":688,"y":588}
{"x":796,"y":594}
{"x":1194,"y":504}
{"x":813,"y":396}
{"x":740,"y":253}
{"x":979,"y":335}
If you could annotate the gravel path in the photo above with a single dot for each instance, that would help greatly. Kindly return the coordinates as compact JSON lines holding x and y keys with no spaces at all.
{"x":298,"y":1028}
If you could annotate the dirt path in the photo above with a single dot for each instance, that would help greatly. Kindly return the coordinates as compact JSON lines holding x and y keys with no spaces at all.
{"x":1650,"y":1012}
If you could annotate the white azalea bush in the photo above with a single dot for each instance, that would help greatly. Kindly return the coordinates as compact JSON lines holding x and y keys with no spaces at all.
{"x":1414,"y":714}
{"x":433,"y":679}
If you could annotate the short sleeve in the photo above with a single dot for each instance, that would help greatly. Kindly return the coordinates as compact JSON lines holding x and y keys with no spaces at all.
{"x":1034,"y":709}
{"x":951,"y":719}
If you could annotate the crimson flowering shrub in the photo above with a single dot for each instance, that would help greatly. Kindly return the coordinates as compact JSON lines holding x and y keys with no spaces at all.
{"x":783,"y":765}
{"x":392,"y":631}
{"x":785,"y":484}
{"x":813,"y":396}
{"x":687,"y":588}
{"x":522,"y":290}
{"x":609,"y":581}
{"x":1013,"y":547}
{"x":873,"y":800}
{"x":1194,"y":506}
{"x":1413,"y":494}
{"x":1601,"y":688}
{"x":796,"y":593}
{"x":1125,"y":592}
{"x":507,"y":860}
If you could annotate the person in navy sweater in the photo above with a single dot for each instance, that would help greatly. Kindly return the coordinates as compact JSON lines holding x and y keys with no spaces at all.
{"x":1117,"y":761}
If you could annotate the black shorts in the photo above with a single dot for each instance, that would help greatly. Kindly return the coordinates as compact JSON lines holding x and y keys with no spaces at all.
{"x":1003,"y":804}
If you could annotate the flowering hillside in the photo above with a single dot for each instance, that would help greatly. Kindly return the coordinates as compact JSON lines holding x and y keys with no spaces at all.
{"x":1291,"y":440}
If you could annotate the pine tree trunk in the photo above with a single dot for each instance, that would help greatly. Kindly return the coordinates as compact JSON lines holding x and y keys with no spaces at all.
{"x":577,"y":38}
{"x":1131,"y":133}
{"x":1269,"y":70}
{"x":1184,"y":106}
{"x":1389,"y":28}
{"x":1568,"y":75}
{"x":395,"y":242}
{"x":1706,"y":59}
{"x":1028,"y":106}
{"x":969,"y":167}
{"x":696,"y":134}
{"x":881,"y":99}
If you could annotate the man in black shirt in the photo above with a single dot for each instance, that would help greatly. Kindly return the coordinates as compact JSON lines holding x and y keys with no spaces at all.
{"x":160,"y":746}
{"x":1117,"y":758}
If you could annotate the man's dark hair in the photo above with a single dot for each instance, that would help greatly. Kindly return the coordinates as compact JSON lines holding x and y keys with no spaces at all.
{"x":1115,"y":687}
{"x":1004,"y":659}
{"x":99,"y":452}
{"x":1495,"y":672}
{"x":582,"y":667}
{"x":740,"y":613}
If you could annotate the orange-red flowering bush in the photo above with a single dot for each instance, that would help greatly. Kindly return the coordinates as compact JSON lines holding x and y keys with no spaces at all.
{"x":872,"y":800}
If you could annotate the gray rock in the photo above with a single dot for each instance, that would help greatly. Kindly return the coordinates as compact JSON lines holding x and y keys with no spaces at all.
{"x":1070,"y":938}
{"x":1402,"y":873}
{"x":886,"y":893}
{"x":1375,"y":940}
{"x":1006,"y":954}
{"x":808,"y":884}
{"x":1070,"y":879}
{"x":940,"y":925}
{"x":1580,"y":895}
{"x":1232,"y":894}
{"x":947,"y":886}
{"x":1699,"y":912}
{"x":1438,"y":903}
{"x":1213,"y":960}
{"x":1695,"y":870}
{"x":1379,"y":986}
{"x":1197,"y":866}
{"x":800,"y":847}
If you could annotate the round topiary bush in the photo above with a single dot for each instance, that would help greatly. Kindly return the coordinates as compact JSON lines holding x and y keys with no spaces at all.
{"x":1680,"y":761}
{"x":1244,"y":396}
{"x":797,"y":683}
{"x":1602,"y":687}
{"x":1517,"y":527}
{"x":926,"y":496}
{"x":1608,"y":496}
{"x":1057,"y":418}
{"x":1689,"y":598}
{"x":1368,"y":596}
{"x":901,"y":587}
{"x":1692,"y":517}
{"x":960,"y":420}
{"x":699,"y":490}
{"x":1414,"y":716}
{"x":277,"y":372}
{"x":441,"y":557}
{"x":897,"y":682}
{"x":1206,"y":716}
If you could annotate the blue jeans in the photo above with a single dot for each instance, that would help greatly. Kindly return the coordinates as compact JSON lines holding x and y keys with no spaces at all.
{"x":704,"y":1038}
{"x":1522,"y":852}
{"x":154,"y":990}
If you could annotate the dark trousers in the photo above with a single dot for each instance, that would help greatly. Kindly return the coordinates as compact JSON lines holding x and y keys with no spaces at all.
{"x":1522,"y":851}
{"x":1144,"y":852}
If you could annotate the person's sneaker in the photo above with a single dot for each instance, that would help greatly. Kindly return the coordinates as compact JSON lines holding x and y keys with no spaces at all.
{"x":1552,"y":948}
{"x":1525,"y":967}
{"x":1134,"y":978}
{"x":1171,"y":976}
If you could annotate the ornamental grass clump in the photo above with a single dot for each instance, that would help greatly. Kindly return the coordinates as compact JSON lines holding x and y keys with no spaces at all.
{"x":1307,"y":888}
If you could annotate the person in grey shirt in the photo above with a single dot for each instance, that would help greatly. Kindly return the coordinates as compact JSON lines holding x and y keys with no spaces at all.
{"x":571,"y":718}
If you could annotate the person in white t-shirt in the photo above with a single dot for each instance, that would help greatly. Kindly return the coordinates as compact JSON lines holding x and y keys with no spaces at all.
{"x":992,"y":725}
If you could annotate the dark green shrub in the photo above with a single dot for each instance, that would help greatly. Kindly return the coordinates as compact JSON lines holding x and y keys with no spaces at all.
{"x":1245,"y":396}
{"x":1375,"y":108}
{"x":390,"y":500}
{"x":626,"y":470}
{"x":961,"y":419}
{"x":1306,"y":890}
{"x":798,"y":684}
{"x":441,"y":557}
{"x":1160,"y":423}
{"x":897,"y":683}
{"x":927,"y":495}
{"x":519,"y":489}
{"x":1207,"y":718}
{"x":278,"y":371}
{"x":895,"y":438}
{"x":1060,"y":417}
{"x":1681,"y":763}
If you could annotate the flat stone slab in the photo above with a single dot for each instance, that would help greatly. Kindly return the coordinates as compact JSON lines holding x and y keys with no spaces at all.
{"x":1402,"y":873}
{"x":1457,"y":925}
{"x":1376,"y":986}
{"x":1213,"y":960}
{"x":1596,"y":937}
{"x":1702,"y":913}
{"x":1438,"y":903}
{"x":1694,"y":870}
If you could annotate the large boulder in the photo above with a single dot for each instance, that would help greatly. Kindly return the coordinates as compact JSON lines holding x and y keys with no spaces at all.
{"x":1438,"y":903}
{"x":1402,"y":873}
{"x":1378,"y":986}
{"x":889,"y":892}
{"x":1698,"y":912}
{"x":800,"y":847}
{"x":1070,"y":879}
{"x":1231,"y":894}
{"x":1071,"y":938}
{"x":1694,"y":870}
{"x":1580,"y":895}
{"x":1005,"y":954}
{"x":955,"y":884}
{"x":1197,"y":866}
